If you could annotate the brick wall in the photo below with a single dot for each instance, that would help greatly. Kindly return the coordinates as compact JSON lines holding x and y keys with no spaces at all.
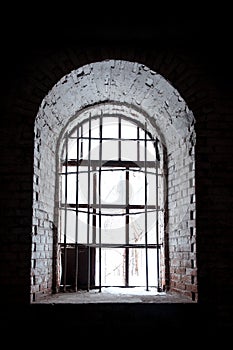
{"x":103,"y":85}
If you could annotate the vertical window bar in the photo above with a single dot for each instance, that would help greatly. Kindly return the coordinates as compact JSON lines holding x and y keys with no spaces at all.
{"x":145,"y":165}
{"x":127,"y":228}
{"x":65,"y":219}
{"x":76,"y":222}
{"x":99,"y":192}
{"x":94,"y":207}
{"x":157,"y":218}
{"x":119,"y":136}
{"x":88,"y":206}
{"x":138,"y":144}
{"x":81,"y":145}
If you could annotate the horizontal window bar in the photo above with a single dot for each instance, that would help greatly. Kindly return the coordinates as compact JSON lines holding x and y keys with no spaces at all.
{"x":109,"y":245}
{"x":108,"y":206}
{"x":110,"y":138}
{"x":111,"y":163}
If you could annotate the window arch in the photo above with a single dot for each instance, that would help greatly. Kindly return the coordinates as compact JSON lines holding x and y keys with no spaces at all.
{"x":112,"y":203}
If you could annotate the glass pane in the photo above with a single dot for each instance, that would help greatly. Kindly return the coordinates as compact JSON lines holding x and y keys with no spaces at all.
{"x":95,"y":149}
{"x":110,"y":127}
{"x":128,"y":130}
{"x":113,"y":186}
{"x":112,"y":227}
{"x":70,"y":226}
{"x":151,"y":227}
{"x":71,"y":188}
{"x":151,"y":188}
{"x":136,"y":187}
{"x":129,"y":150}
{"x":112,"y":267}
{"x":95,"y":127}
{"x":137,"y":226}
{"x":82,"y":232}
{"x":141,"y":151}
{"x":82,"y":226}
{"x":84,"y":148}
{"x":150,"y":150}
{"x":83,"y":186}
{"x":62,"y":177}
{"x":72,"y":149}
{"x":137,"y":267}
{"x":152,"y":267}
{"x":141,"y":134}
{"x":84,"y":129}
{"x":110,"y":150}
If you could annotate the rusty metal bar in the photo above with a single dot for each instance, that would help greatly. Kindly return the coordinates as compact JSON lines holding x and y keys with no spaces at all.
{"x":114,"y":214}
{"x":76,"y":221}
{"x":109,"y":138}
{"x":138,"y":144}
{"x":94,"y":206}
{"x":116,"y":245}
{"x":81,"y":144}
{"x":111,"y":163}
{"x":127,"y":229}
{"x":157,"y":222}
{"x":65,"y":223}
{"x":111,"y":206}
{"x":88,"y":209}
{"x":99,"y":196}
{"x":145,"y":166}
{"x":119,"y":138}
{"x":110,"y":170}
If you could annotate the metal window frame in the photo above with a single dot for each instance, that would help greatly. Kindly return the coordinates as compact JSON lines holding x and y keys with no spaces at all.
{"x":93,"y":208}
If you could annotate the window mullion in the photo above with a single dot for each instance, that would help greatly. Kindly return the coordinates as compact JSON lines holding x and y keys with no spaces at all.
{"x":145,"y":166}
{"x":76,"y":222}
{"x":127,"y":228}
{"x":157,"y":218}
{"x":138,"y":144}
{"x":88,"y":210}
{"x":99,"y":196}
{"x":65,"y":219}
{"x":119,"y":136}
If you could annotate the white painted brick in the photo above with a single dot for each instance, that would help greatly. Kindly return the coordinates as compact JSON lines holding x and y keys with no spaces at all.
{"x":130,"y":89}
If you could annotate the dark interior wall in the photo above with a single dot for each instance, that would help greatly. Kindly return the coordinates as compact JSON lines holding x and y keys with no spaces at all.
{"x":193,"y":55}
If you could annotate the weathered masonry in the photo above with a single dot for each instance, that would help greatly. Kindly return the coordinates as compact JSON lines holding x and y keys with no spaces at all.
{"x":92,"y":109}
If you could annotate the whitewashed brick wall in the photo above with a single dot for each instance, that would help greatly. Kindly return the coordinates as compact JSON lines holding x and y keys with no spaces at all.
{"x":135,"y":91}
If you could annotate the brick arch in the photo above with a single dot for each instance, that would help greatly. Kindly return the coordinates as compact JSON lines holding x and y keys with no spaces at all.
{"x":44,"y":71}
{"x":117,"y":81}
{"x":138,"y":90}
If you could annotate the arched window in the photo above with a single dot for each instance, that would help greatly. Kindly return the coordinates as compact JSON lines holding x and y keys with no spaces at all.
{"x":111,"y":207}
{"x":114,"y":183}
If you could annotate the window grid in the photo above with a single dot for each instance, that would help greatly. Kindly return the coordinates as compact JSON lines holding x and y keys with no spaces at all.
{"x":95,"y":209}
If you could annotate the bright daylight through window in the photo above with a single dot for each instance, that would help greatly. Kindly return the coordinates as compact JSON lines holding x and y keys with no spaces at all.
{"x":111,"y":207}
